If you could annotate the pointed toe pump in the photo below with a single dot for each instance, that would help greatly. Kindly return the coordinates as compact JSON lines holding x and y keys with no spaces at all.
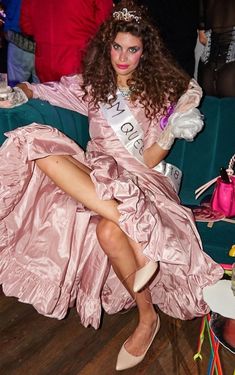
{"x":126,"y":360}
{"x":143,"y":275}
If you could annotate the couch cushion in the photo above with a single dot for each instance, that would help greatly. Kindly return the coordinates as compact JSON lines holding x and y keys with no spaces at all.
{"x":71,"y":123}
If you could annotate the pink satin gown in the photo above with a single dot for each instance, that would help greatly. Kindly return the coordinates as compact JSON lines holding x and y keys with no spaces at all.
{"x":49,"y":253}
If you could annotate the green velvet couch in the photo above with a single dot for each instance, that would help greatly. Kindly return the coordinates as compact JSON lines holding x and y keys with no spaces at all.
{"x":200,"y":160}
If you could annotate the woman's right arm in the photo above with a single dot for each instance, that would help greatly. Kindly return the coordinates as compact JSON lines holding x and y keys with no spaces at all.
{"x":66,"y":93}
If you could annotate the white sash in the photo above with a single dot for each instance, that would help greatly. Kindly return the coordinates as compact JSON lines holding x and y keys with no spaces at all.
{"x":131,"y":136}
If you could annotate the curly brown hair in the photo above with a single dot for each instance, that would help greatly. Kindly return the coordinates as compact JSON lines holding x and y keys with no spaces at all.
{"x":157,"y":76}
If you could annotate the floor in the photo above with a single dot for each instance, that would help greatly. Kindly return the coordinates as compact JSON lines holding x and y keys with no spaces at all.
{"x":32,"y":344}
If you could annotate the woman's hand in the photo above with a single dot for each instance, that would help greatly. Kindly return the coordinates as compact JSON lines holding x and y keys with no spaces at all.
{"x":24,"y":87}
{"x":191,"y":98}
{"x":186,"y":120}
{"x":14,"y":98}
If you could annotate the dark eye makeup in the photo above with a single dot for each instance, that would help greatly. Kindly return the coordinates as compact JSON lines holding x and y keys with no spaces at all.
{"x":133,"y":49}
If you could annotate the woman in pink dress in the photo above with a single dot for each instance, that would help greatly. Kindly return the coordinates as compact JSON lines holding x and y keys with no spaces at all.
{"x":105,"y":228}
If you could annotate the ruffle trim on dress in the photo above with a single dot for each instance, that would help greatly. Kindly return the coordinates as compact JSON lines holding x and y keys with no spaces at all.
{"x":181,"y":297}
{"x":13,"y":185}
{"x":3,"y":235}
{"x":89,"y":309}
{"x":178,"y":303}
{"x":116,"y":298}
{"x":30,"y":288}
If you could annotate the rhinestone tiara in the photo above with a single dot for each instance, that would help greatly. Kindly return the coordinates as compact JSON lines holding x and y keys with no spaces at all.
{"x":126,"y":15}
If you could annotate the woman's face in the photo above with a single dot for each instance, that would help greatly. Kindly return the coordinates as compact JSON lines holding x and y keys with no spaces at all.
{"x":126,"y":51}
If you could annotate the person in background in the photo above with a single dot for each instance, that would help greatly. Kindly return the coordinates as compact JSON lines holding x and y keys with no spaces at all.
{"x":224,"y":330}
{"x":216,"y":70}
{"x":3,"y":46}
{"x":177,"y":21}
{"x":61,"y":30}
{"x":20,"y":48}
{"x":67,"y":215}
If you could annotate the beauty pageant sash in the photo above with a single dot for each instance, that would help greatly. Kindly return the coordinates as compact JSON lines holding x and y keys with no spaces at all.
{"x":131,"y":136}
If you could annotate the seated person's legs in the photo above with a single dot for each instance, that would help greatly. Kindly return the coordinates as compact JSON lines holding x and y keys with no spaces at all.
{"x":207,"y":78}
{"x":226,"y":80}
{"x":73,"y":178}
{"x":121,"y":256}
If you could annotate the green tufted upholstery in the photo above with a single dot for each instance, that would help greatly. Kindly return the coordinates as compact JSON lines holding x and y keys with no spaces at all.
{"x":71,"y":123}
{"x":200,"y":160}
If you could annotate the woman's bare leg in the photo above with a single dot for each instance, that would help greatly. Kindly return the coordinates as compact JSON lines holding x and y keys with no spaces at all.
{"x":73,"y":178}
{"x":117,"y":247}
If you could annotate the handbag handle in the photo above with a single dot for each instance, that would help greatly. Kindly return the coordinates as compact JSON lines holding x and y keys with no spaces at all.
{"x":231,"y":163}
{"x":204,"y":187}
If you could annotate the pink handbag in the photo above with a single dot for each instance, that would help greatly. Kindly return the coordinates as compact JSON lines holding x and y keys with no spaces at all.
{"x":223,"y":197}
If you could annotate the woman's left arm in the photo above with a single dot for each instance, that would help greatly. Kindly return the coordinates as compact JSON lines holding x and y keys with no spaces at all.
{"x":154,"y":155}
{"x":185,"y":122}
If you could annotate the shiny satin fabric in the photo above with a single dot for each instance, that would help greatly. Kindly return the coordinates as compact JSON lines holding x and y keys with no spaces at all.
{"x":50,"y":256}
{"x":49,"y":253}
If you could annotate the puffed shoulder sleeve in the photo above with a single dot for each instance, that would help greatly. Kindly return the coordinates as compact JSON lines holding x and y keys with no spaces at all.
{"x":66,"y":93}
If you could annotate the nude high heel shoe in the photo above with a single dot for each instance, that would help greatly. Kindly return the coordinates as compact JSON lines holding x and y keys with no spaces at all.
{"x":126,"y":360}
{"x":143,"y":275}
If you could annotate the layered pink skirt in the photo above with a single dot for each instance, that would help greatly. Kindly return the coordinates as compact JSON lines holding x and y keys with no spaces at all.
{"x":49,"y":253}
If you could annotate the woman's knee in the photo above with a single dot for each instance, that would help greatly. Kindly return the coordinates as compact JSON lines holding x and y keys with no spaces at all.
{"x":109,"y":236}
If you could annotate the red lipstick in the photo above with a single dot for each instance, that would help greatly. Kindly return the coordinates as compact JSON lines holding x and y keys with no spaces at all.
{"x":122,"y":66}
